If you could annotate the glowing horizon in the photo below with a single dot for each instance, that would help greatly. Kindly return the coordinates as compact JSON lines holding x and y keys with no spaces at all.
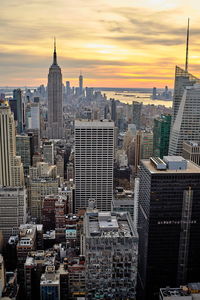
{"x":134,"y":45}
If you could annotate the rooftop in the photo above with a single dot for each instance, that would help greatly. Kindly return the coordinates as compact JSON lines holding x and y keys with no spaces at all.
{"x":109,"y":224}
{"x":174,"y":292}
{"x":93,"y":124}
{"x":191,"y":168}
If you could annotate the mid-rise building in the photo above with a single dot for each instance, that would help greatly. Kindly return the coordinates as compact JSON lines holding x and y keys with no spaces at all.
{"x":191,"y":151}
{"x":168,"y":224}
{"x":12,"y":209}
{"x":50,"y":284}
{"x":161,"y":133}
{"x":39,"y":188}
{"x":94,"y":154}
{"x":111,"y":249}
{"x":34,"y":266}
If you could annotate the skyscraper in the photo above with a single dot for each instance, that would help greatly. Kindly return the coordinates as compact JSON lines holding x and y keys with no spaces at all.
{"x":169,"y":223}
{"x":186,"y":119}
{"x":137,"y":107}
{"x":17,"y":96}
{"x":161,"y":132}
{"x":81,"y":85}
{"x":11,"y":168}
{"x":186,"y":109}
{"x":55,"y":100}
{"x":94,"y":151}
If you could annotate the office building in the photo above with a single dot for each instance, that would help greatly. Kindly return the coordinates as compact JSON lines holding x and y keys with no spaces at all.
{"x":161,"y":133}
{"x":11,"y":168}
{"x":33,"y":116}
{"x":17,"y":96}
{"x":143,"y":147}
{"x":50,"y":284}
{"x":68,"y":89}
{"x":55,"y":100}
{"x":60,"y":165}
{"x":137,"y":108}
{"x":191,"y":291}
{"x":48,"y":152}
{"x":34,"y":266}
{"x":81,"y":85}
{"x":12,"y":209}
{"x":191,"y":151}
{"x":2,"y":275}
{"x":25,"y":150}
{"x":185,"y":119}
{"x":168,"y":224}
{"x":111,"y":249}
{"x":13,"y":107}
{"x":94,"y":151}
{"x":113,"y":110}
{"x":27,"y":242}
{"x":38,"y":189}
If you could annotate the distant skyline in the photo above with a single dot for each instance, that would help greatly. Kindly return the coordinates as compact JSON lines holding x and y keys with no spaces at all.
{"x":113,"y":43}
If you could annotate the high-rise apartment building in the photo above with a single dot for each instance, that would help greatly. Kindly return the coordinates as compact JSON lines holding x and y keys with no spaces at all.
{"x":12,"y":209}
{"x":168,"y":224}
{"x":94,"y":151}
{"x":186,"y":111}
{"x":11,"y":168}
{"x":111,"y":248}
{"x":137,"y":108}
{"x":161,"y":132}
{"x":17,"y":96}
{"x":55,"y":100}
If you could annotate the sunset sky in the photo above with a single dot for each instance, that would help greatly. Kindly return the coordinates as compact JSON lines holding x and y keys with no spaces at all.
{"x":116,"y":43}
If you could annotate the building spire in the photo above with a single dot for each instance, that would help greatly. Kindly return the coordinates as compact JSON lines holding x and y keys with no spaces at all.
{"x":187,"y":45}
{"x":54,"y":53}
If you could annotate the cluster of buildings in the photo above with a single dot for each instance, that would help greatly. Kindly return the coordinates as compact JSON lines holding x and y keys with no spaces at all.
{"x":99,"y":199}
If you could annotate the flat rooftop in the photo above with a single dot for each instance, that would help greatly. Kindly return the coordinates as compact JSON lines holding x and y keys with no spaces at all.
{"x":93,"y":124}
{"x":109,"y":225}
{"x":191,"y":168}
{"x":174,"y":292}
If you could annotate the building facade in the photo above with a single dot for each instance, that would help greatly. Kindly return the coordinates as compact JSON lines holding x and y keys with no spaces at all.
{"x":161,"y":133}
{"x":186,"y":111}
{"x":11,"y":168}
{"x":55,"y":100}
{"x":111,"y":245}
{"x":94,"y":154}
{"x":168,"y":224}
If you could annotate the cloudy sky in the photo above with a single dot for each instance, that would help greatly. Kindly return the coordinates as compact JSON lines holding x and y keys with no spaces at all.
{"x":116,"y":43}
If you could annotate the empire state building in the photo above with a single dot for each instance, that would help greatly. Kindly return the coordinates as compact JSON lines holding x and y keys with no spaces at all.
{"x":55,"y":100}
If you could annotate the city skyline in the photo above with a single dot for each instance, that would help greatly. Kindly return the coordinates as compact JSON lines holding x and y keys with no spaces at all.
{"x":129,"y":45}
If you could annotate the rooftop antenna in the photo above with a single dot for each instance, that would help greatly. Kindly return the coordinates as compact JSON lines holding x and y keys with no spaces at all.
{"x":54,"y":53}
{"x":187,"y":45}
